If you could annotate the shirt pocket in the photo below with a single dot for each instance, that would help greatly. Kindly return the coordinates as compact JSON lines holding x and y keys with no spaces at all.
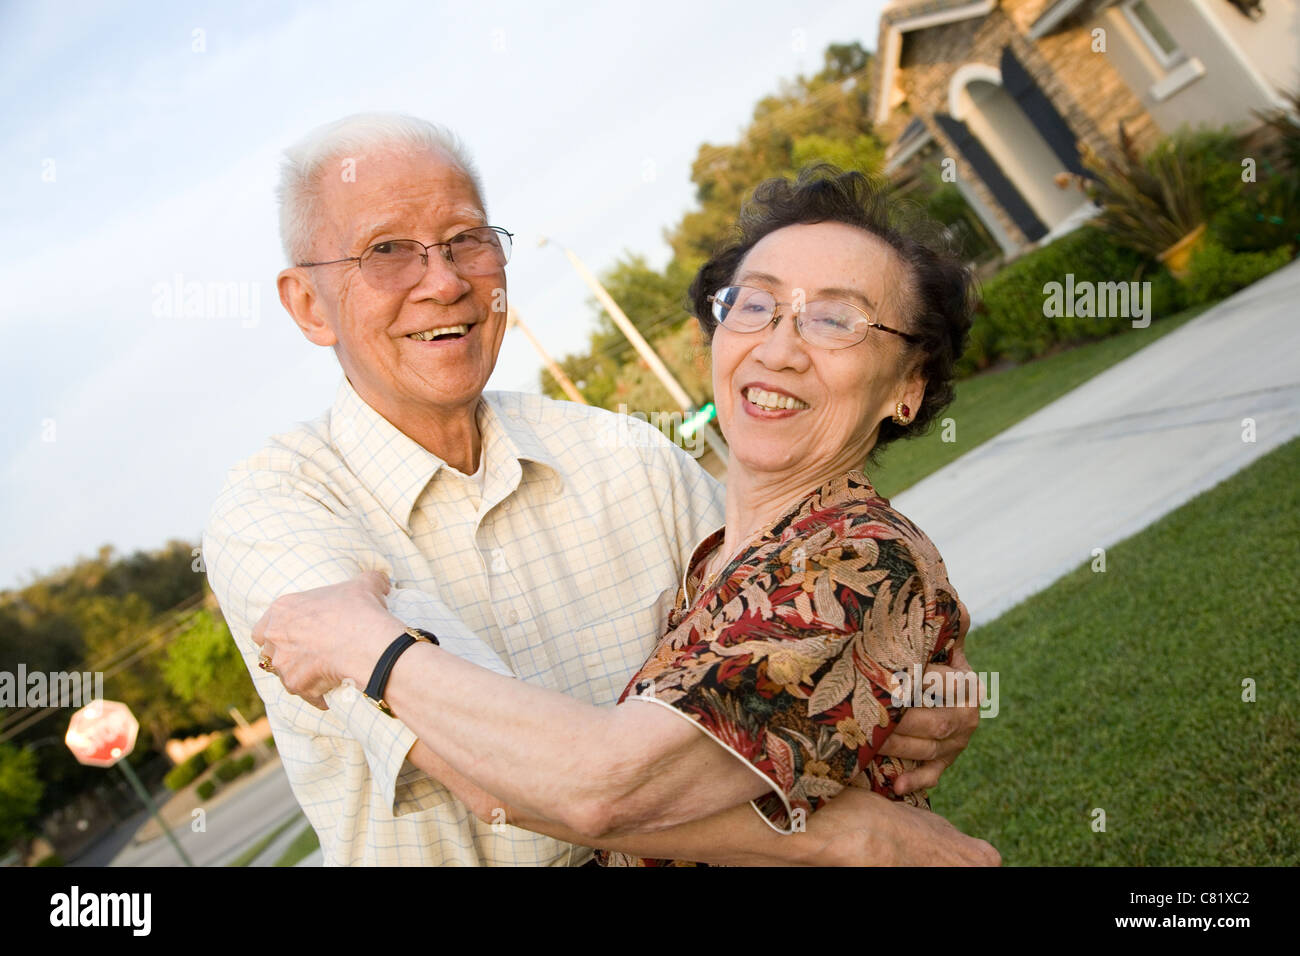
{"x":614,"y":649}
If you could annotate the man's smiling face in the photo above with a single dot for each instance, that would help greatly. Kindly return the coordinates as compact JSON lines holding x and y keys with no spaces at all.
{"x":400,"y":195}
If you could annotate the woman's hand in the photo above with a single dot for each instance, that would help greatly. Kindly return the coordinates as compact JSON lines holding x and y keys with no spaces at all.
{"x":859,"y":828}
{"x":936,"y":736}
{"x":315,"y":639}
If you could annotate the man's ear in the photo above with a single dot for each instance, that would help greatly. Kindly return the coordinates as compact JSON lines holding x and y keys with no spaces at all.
{"x":300,"y":299}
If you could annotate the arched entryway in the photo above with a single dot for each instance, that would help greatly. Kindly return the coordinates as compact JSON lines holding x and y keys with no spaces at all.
{"x":1018,"y":143}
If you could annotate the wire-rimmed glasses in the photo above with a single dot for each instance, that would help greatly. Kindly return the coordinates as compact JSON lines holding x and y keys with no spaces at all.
{"x":396,"y":265}
{"x":825,"y":323}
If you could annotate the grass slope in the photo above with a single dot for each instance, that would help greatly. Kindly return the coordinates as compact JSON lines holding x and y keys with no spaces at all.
{"x":1123,"y":691}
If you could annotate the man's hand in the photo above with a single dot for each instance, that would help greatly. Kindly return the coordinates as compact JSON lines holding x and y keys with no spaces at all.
{"x":936,"y":736}
{"x":317,"y":638}
{"x":859,"y":828}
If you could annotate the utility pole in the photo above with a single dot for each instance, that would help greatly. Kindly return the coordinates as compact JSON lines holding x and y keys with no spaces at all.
{"x":642,"y":347}
{"x":552,"y":366}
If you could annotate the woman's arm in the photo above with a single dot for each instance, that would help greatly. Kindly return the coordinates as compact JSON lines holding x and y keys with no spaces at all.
{"x":604,"y":773}
{"x":599,"y":772}
{"x":856,"y":828}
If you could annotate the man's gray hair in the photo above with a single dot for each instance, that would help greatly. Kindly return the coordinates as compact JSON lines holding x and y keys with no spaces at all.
{"x":304,"y":164}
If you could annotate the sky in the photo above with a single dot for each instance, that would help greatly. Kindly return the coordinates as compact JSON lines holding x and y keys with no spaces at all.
{"x":139,"y":147}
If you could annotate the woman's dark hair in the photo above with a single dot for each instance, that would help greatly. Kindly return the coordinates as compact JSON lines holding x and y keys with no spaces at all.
{"x":940,"y":302}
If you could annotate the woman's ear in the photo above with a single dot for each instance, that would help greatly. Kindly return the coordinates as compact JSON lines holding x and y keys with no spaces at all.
{"x":915,"y":392}
{"x":912,"y":390}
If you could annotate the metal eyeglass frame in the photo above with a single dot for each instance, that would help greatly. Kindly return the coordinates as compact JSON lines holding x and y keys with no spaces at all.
{"x":776,"y":314}
{"x":447,"y":256}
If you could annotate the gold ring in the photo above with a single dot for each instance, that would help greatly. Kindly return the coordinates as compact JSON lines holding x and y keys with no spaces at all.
{"x":264,"y":662}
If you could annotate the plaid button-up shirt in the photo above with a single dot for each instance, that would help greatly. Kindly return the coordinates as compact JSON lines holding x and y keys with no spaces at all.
{"x":561,"y":573}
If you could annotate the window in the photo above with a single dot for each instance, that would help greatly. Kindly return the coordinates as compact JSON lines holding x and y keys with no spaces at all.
{"x":1153,"y":33}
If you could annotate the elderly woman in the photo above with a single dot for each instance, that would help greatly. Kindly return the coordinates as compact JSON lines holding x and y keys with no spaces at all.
{"x":833,"y":333}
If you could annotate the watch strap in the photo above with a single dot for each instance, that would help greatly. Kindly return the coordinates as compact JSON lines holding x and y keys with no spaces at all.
{"x":384,"y":669}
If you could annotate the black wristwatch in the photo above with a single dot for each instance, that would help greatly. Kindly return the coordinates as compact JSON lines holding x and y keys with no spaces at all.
{"x":379,"y":679}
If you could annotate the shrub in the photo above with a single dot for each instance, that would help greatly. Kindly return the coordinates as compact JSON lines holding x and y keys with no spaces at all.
{"x":52,"y":860}
{"x":181,"y":775}
{"x":219,"y":747}
{"x":228,"y":771}
{"x":235,"y":767}
{"x":1216,"y":271}
{"x":1260,"y":219}
{"x":1012,"y":323}
{"x":206,"y":789}
{"x":1150,"y":202}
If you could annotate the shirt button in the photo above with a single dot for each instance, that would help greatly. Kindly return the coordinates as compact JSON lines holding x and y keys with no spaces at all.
{"x":512,"y":617}
{"x":506,"y":505}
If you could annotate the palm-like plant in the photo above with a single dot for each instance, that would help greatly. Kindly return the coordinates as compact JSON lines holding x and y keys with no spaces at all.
{"x":1284,"y":123}
{"x":1148,"y":204}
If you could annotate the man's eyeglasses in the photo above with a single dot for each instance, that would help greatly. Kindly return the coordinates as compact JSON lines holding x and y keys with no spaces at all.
{"x":825,"y":323}
{"x":396,"y":265}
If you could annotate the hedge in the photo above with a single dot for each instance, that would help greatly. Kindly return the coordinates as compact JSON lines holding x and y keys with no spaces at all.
{"x":1012,"y":323}
{"x":219,"y":747}
{"x":181,"y":775}
{"x":235,"y":767}
{"x":1216,"y":272}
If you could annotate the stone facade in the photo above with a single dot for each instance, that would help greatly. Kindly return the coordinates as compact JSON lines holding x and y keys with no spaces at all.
{"x":1082,"y":85}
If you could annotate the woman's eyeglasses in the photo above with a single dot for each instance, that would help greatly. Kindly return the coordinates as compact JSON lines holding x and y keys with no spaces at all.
{"x":396,"y":265}
{"x":825,"y":323}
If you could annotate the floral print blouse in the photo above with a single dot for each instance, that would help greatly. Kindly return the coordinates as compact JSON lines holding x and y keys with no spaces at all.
{"x":788,"y":658}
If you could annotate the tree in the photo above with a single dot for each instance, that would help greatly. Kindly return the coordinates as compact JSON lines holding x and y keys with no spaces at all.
{"x":164,"y":578}
{"x":121,"y":636}
{"x":655,"y":304}
{"x":204,"y":668}
{"x":20,"y":792}
{"x":820,"y":118}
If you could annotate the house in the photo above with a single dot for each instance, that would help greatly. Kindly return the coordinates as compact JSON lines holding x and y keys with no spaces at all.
{"x":1006,"y":94}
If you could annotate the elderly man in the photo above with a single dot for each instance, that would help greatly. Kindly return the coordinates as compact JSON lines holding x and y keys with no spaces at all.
{"x":506,"y":527}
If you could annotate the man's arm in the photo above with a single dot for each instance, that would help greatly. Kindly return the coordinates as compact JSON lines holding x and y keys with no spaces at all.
{"x":268,"y":538}
{"x":855,"y":828}
{"x":272,"y":533}
{"x":597,"y":776}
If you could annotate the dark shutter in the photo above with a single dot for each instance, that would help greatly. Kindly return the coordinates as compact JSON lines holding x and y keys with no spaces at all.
{"x":987,"y":168}
{"x":1050,"y":124}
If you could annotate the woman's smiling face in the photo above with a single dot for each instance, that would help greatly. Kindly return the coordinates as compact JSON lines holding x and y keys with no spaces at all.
{"x":840,"y":395}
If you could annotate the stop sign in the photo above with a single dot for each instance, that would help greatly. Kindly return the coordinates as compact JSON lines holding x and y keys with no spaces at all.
{"x":102,"y":733}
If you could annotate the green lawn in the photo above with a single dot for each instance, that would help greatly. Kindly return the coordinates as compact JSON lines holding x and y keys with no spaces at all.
{"x":303,"y":845}
{"x":258,"y":848}
{"x":994,"y":401}
{"x":1123,"y":691}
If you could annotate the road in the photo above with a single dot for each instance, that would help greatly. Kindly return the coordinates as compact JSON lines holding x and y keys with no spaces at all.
{"x":1106,"y":460}
{"x":239,"y":819}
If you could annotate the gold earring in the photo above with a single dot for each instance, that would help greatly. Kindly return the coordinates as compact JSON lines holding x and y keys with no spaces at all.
{"x":902,"y":414}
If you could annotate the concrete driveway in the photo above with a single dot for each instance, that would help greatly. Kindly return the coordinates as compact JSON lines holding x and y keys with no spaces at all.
{"x":1109,"y":458}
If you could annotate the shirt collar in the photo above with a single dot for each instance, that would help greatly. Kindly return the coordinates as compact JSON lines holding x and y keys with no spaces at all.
{"x":396,"y":468}
{"x":506,"y":431}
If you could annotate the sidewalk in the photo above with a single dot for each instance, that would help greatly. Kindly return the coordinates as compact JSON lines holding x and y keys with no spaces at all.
{"x":1106,"y":460}
{"x":177,"y":810}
